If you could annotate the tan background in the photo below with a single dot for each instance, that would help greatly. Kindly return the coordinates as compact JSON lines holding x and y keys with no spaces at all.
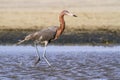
{"x":36,"y":14}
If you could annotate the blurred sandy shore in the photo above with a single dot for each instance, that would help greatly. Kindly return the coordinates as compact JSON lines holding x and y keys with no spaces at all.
{"x":37,"y":14}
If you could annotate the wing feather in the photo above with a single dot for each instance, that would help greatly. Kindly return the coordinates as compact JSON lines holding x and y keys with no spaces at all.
{"x":47,"y":34}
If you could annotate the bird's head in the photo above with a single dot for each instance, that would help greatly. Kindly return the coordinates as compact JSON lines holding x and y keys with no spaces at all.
{"x":65,"y":12}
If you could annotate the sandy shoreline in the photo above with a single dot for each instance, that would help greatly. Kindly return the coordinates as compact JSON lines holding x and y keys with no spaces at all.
{"x":80,"y":38}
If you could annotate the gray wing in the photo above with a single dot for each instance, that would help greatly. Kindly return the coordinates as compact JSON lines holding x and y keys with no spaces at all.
{"x":47,"y":34}
{"x":44,"y":35}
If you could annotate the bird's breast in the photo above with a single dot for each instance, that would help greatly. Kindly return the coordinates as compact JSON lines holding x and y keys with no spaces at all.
{"x":58,"y":33}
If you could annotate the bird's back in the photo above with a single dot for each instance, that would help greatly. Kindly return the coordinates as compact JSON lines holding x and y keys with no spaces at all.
{"x":45,"y":34}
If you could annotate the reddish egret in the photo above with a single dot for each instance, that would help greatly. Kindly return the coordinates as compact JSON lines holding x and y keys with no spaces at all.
{"x":47,"y":35}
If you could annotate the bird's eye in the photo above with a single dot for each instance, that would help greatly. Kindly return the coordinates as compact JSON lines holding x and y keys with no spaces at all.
{"x":65,"y":11}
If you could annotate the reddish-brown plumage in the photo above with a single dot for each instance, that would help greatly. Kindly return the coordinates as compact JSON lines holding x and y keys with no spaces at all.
{"x":62,"y":23}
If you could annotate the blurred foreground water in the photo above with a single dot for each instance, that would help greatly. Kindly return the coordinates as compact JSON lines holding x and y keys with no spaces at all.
{"x":68,"y":63}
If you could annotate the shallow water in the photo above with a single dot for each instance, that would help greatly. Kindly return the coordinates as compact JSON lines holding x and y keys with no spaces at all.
{"x":68,"y":63}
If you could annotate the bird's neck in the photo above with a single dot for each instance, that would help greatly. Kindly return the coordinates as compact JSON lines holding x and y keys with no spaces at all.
{"x":62,"y":26}
{"x":62,"y":22}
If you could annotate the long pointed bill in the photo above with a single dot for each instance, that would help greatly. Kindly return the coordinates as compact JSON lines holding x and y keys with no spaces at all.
{"x":70,"y":14}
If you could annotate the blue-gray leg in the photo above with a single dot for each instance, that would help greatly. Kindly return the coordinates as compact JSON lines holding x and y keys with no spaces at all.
{"x":38,"y":55}
{"x":44,"y":54}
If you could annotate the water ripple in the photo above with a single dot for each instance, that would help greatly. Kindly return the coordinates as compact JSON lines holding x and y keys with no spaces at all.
{"x":66,"y":65}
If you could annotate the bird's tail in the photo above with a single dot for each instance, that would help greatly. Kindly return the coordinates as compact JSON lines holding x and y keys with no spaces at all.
{"x":25,"y":39}
{"x":21,"y":41}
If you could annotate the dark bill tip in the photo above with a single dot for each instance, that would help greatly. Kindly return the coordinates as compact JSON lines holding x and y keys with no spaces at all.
{"x":74,"y":15}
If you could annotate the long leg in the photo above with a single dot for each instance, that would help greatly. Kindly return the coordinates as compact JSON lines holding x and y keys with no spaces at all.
{"x":38,"y":55}
{"x":44,"y":54}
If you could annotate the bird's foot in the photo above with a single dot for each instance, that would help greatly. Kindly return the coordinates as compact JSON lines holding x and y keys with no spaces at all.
{"x":37,"y":61}
{"x":47,"y":61}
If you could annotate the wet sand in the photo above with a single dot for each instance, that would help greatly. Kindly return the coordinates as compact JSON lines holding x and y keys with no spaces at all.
{"x":68,"y":63}
{"x":77,"y":37}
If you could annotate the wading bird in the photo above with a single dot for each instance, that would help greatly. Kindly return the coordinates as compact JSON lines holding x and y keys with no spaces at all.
{"x":47,"y":35}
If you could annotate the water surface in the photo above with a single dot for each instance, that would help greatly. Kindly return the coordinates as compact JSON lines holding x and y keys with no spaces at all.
{"x":68,"y":63}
